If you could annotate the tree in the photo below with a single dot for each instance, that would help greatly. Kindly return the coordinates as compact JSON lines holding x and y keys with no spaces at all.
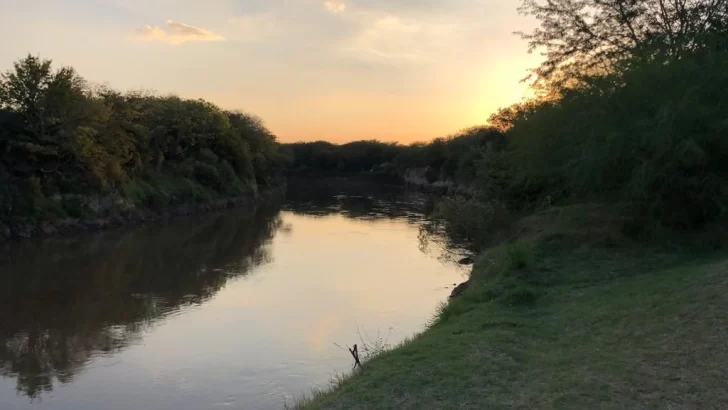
{"x":22,"y":90}
{"x":45,"y":99}
{"x":55,"y":136}
{"x":585,"y":37}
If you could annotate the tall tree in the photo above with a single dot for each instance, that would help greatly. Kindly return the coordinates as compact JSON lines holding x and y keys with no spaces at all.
{"x":52,"y":108}
{"x":583,"y":37}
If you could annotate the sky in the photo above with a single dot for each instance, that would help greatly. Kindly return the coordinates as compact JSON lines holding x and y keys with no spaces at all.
{"x":337,"y":70}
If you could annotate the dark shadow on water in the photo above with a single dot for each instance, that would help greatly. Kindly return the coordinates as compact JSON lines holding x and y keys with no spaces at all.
{"x":64,"y":302}
{"x":356,"y":199}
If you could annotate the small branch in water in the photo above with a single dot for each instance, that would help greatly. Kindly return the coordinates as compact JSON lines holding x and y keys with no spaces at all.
{"x":355,"y":354}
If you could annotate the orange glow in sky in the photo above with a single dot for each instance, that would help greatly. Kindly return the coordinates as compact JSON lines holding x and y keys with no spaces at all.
{"x":338,"y":70}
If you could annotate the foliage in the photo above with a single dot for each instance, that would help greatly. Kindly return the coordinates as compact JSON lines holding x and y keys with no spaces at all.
{"x":468,"y":220}
{"x":652,"y":138}
{"x":588,"y":37}
{"x":633,"y":115}
{"x":325,"y":158}
{"x":455,"y":158}
{"x":61,"y":137}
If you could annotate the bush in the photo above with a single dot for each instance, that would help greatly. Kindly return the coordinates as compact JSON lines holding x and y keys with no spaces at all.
{"x":469,"y":220}
{"x":74,"y":207}
{"x":207,"y":175}
{"x":650,"y":136}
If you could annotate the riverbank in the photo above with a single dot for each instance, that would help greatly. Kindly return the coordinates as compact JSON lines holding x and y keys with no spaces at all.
{"x":566,"y":313}
{"x":112,"y":213}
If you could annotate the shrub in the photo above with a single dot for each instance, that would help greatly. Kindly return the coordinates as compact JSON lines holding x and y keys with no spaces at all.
{"x":207,"y":175}
{"x":74,"y":206}
{"x":469,"y":220}
{"x":650,"y":136}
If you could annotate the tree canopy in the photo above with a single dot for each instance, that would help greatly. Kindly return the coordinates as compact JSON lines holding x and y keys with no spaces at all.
{"x":61,"y":137}
{"x":585,"y":37}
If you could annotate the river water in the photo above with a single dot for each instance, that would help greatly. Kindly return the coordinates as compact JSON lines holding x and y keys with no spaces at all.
{"x":243,"y":309}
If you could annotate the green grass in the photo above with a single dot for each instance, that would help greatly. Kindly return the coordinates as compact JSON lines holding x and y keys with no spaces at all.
{"x":554,"y":321}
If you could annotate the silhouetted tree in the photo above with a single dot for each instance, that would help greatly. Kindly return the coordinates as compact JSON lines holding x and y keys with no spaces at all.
{"x":585,"y":37}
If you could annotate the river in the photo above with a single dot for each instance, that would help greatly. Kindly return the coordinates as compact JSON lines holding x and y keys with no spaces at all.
{"x":243,"y":309}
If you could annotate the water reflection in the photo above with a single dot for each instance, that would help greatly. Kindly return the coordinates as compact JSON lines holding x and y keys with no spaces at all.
{"x":357,"y":200}
{"x":61,"y":303}
{"x":363,"y":200}
{"x":240,"y":307}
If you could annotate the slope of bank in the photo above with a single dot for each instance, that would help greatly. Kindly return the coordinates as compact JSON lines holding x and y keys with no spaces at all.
{"x":570,"y":315}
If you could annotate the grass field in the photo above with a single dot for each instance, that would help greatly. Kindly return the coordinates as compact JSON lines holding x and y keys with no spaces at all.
{"x":569,"y":315}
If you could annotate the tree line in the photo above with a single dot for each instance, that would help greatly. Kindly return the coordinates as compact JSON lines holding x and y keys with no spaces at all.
{"x":62,"y":140}
{"x":452,"y":158}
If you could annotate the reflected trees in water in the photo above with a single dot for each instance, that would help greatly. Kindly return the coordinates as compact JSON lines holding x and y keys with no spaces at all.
{"x":63,"y":302}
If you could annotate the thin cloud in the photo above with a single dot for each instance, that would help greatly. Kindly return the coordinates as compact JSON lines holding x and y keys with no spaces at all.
{"x":175,"y":33}
{"x":256,"y":27}
{"x":335,"y":6}
{"x":388,"y":38}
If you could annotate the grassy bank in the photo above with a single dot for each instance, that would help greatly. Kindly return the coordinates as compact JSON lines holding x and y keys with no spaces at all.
{"x":571,"y":314}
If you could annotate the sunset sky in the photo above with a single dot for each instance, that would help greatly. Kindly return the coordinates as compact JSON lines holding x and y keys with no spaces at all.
{"x":339,"y":70}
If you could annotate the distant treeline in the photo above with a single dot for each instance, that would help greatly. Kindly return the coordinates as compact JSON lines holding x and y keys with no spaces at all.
{"x":454,"y":158}
{"x":62,"y":141}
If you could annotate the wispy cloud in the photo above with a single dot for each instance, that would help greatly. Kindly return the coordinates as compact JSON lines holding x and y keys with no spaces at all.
{"x":256,"y":27}
{"x":335,"y":6}
{"x":175,"y":33}
{"x":389,"y":38}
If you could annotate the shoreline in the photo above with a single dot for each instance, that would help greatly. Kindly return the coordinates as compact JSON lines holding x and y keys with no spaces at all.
{"x":118,"y":213}
{"x":129,"y":217}
{"x":561,"y":317}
